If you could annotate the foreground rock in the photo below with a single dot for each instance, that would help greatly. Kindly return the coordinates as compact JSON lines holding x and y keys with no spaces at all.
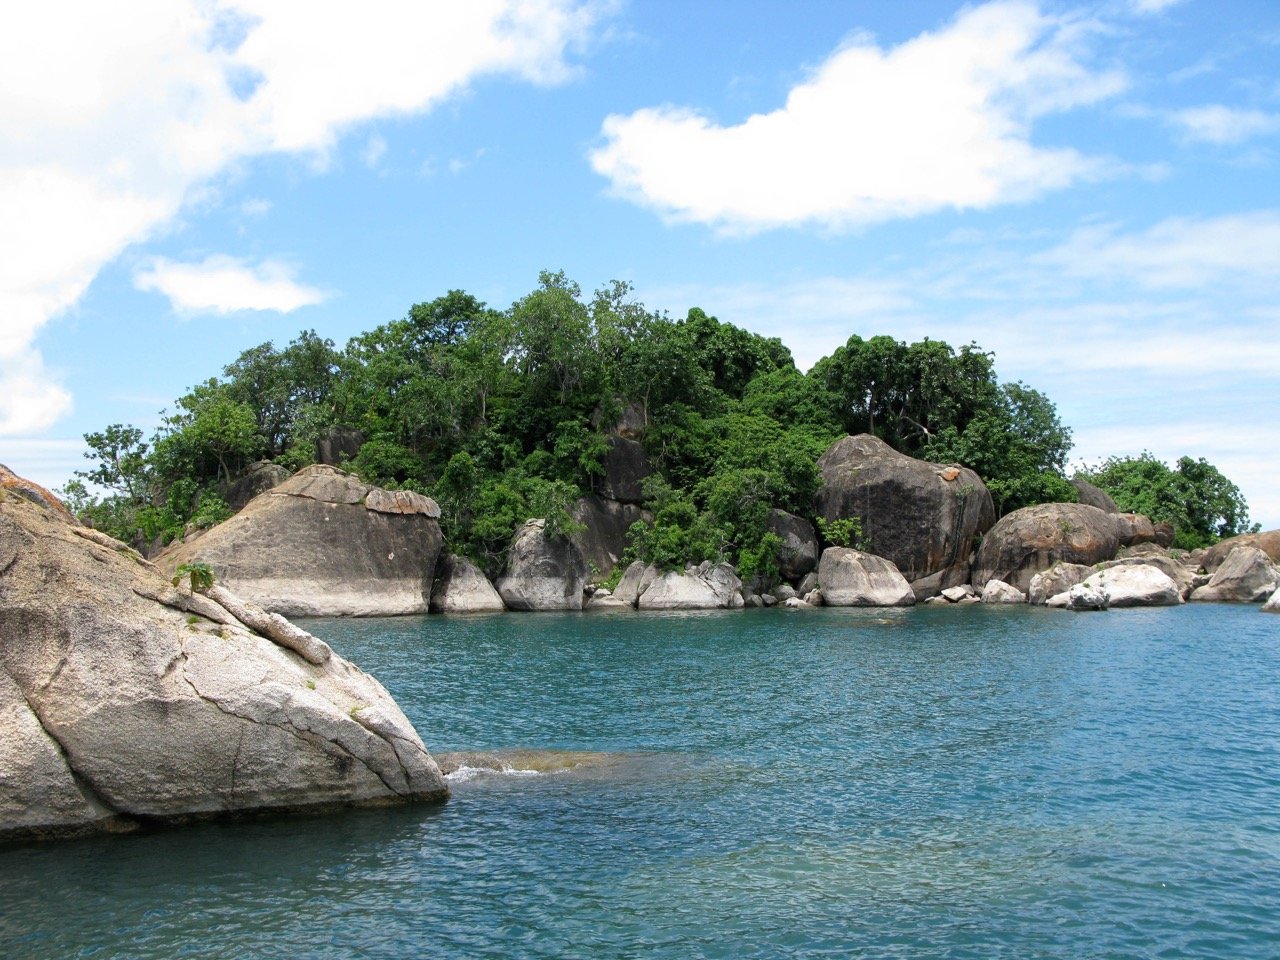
{"x":920,"y":516}
{"x":461,"y":587}
{"x":851,"y":578}
{"x":1033,"y":539}
{"x":124,"y":700}
{"x":543,"y":572}
{"x":1246,"y":576}
{"x":705,"y":587}
{"x":324,"y":543}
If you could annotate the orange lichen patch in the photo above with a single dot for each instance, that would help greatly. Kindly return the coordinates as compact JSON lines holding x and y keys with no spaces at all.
{"x":10,"y":481}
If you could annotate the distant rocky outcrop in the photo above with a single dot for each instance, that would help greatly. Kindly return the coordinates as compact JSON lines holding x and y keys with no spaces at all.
{"x":708,"y":586}
{"x":798,"y":554}
{"x":338,"y":445}
{"x":851,"y":578}
{"x":126,"y":700}
{"x":325,"y":543}
{"x":543,"y":572}
{"x":1268,"y":541}
{"x":1247,"y":575}
{"x":922,"y":517}
{"x":1033,"y":539}
{"x":1093,"y":496}
{"x":603,"y":536}
{"x":461,"y":587}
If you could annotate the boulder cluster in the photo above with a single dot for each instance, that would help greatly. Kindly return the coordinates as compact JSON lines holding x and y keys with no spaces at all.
{"x":322,"y":542}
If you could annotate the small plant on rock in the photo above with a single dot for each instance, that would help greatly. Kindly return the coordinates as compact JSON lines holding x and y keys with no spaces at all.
{"x":198,"y":574}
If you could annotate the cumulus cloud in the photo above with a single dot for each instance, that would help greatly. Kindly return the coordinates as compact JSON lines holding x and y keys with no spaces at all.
{"x":941,"y":121}
{"x":221,"y":284}
{"x":1152,"y":6}
{"x":1222,"y":125}
{"x":113,"y":115}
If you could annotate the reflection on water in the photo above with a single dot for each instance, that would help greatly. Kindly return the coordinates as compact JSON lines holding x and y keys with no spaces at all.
{"x":918,"y":783}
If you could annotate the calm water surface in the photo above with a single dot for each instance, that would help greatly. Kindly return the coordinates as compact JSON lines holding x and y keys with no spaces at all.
{"x":925,"y":783}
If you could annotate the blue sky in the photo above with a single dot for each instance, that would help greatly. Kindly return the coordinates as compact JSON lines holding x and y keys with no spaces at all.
{"x":1089,"y":190}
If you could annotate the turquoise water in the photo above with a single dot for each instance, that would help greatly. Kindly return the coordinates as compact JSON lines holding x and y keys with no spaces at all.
{"x":922,"y":783}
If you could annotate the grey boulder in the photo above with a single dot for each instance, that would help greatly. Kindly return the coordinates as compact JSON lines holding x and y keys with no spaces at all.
{"x":1059,"y":578}
{"x":544,"y":572}
{"x":1033,"y":539}
{"x":461,"y":587}
{"x":997,"y":591}
{"x":1247,"y":575}
{"x":705,"y":587}
{"x":851,"y":578}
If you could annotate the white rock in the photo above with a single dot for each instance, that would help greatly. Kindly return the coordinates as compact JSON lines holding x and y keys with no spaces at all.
{"x":1137,"y":585}
{"x":997,"y":591}
{"x":851,"y":578}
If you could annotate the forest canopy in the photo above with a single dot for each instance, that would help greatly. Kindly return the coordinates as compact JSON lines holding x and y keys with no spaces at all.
{"x":503,"y":415}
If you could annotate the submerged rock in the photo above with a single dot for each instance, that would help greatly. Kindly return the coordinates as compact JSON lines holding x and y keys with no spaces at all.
{"x":851,"y":578}
{"x":324,"y":543}
{"x":125,"y":700}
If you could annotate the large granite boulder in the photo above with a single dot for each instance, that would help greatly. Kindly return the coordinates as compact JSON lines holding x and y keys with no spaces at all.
{"x":461,"y":587}
{"x":603,"y":536}
{"x":1134,"y":529}
{"x":997,"y":591}
{"x":626,"y":466}
{"x":798,"y":554}
{"x":1093,"y":496}
{"x":1268,"y":541}
{"x":705,"y":587}
{"x":1182,"y":575}
{"x":1033,"y":539}
{"x":851,"y":578}
{"x":324,"y":543}
{"x":1138,"y":585}
{"x":125,"y":700}
{"x":921,"y":516}
{"x":1248,"y":575}
{"x":543,"y":572}
{"x":636,"y":579}
{"x":1059,"y":578}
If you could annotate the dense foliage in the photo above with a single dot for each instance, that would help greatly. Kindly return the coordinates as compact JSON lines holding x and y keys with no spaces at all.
{"x":1202,"y":504}
{"x":502,"y":415}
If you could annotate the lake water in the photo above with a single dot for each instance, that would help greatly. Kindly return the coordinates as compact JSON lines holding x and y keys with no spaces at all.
{"x":965,"y":782}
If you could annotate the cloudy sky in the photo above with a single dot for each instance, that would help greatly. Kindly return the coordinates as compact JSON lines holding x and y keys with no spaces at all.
{"x":1087,"y":189}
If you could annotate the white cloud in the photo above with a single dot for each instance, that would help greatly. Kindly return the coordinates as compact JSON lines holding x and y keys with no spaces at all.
{"x":1224,"y":125}
{"x":941,"y":121}
{"x":50,"y":463}
{"x":1179,"y":253}
{"x":112,"y":116}
{"x":1152,"y":6}
{"x":221,"y":284}
{"x":374,"y":150}
{"x":30,"y":399}
{"x":255,"y":207}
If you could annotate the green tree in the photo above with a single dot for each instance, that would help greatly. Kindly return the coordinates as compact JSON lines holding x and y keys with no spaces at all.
{"x":1201,"y":503}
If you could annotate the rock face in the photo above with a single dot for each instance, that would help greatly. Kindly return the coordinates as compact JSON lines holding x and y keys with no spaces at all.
{"x":1268,"y":542}
{"x":338,"y":445}
{"x":1247,"y":576}
{"x":460,"y":587}
{"x":705,"y":587}
{"x":1272,"y":605}
{"x":851,"y":578}
{"x":920,"y":516}
{"x":324,"y":543}
{"x":257,"y":479}
{"x":543,"y":573}
{"x":1059,"y":578}
{"x":1033,"y":539}
{"x":124,"y":700}
{"x":1134,"y":528}
{"x":1094,"y":496}
{"x":604,"y":535}
{"x":625,"y":467}
{"x":798,"y":554}
{"x":635,"y":581}
{"x":1136,"y":585}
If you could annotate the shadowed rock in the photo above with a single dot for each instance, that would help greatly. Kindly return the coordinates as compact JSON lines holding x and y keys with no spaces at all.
{"x":461,"y":587}
{"x":543,"y":572}
{"x":1248,"y":575}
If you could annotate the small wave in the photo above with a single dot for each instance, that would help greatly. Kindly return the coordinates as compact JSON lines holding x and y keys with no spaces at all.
{"x":464,"y":773}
